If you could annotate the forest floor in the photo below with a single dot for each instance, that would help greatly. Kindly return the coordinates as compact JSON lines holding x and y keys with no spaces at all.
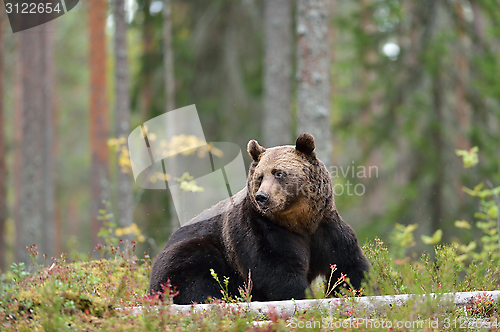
{"x":111,"y":294}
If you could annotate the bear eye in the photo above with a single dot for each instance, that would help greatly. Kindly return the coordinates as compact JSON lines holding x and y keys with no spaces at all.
{"x":279,"y":175}
{"x":259,"y":179}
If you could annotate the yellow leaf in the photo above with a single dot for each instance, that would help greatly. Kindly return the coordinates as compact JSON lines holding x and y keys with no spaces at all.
{"x":471,"y":246}
{"x":479,"y":187}
{"x":462,"y":224}
{"x":469,"y":157}
{"x":215,"y":151}
{"x":434,"y":239}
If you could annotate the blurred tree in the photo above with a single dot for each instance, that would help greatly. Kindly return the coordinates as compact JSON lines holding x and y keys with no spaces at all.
{"x":73,"y":144}
{"x":168,"y":63}
{"x":313,"y":72}
{"x":99,"y":123}
{"x":49,"y":135}
{"x":168,"y":56}
{"x":277,"y":99}
{"x":428,"y":76}
{"x":218,"y":67}
{"x":37,"y":182}
{"x":436,"y":196}
{"x":412,"y":81}
{"x":122,"y":113}
{"x":3,"y":155}
{"x":18,"y":138}
{"x":462,"y":108}
{"x":151,"y":56}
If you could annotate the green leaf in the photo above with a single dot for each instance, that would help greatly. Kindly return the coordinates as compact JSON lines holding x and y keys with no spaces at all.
{"x":434,"y":239}
{"x":493,"y":211}
{"x":469,"y":157}
{"x":471,"y":246}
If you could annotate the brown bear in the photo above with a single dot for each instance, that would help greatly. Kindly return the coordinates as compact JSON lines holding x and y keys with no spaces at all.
{"x":283,"y":227}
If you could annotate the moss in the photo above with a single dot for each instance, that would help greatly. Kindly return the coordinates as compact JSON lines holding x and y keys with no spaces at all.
{"x":94,"y":287}
{"x":85,"y":296}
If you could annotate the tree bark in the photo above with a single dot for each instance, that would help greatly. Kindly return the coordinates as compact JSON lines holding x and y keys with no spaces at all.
{"x":313,"y":71}
{"x":436,"y":194}
{"x":37,"y":182}
{"x":462,"y":108}
{"x":122,"y":111}
{"x":18,"y":141}
{"x":277,"y":119}
{"x":99,"y":127}
{"x":168,"y":61}
{"x":168,"y":56}
{"x":147,"y":72}
{"x":48,"y":181}
{"x":3,"y":168}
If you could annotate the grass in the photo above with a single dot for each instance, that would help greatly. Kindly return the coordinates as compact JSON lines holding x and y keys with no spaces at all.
{"x":101,"y":295}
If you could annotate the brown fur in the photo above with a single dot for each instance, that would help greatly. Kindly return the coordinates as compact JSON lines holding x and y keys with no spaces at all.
{"x":283,"y":227}
{"x":297,"y":203}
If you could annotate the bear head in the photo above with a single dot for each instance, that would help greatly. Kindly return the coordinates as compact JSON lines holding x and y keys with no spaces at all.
{"x":290,"y":185}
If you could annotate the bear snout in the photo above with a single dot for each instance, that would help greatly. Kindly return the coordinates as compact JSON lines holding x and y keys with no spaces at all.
{"x":262,"y":198}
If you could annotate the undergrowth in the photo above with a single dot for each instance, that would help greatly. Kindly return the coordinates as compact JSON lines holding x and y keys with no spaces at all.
{"x":104,"y":294}
{"x":110,"y":292}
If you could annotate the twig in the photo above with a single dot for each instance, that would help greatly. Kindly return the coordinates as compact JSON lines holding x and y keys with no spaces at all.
{"x":497,"y":201}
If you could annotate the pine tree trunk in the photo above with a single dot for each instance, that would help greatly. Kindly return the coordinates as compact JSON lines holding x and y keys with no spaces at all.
{"x":277,"y":119}
{"x":168,"y":60}
{"x":48,"y":181}
{"x":313,"y":68}
{"x":99,"y":127}
{"x":30,"y":222}
{"x":436,"y":194}
{"x":18,"y":142}
{"x":462,"y":109}
{"x":147,"y":50}
{"x":37,"y":181}
{"x":168,"y":56}
{"x":122,"y":111}
{"x":3,"y":168}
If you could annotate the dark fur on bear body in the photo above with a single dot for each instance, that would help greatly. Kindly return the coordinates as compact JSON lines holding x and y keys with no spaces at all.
{"x":283,"y":227}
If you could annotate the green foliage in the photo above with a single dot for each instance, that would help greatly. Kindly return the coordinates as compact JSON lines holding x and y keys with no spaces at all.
{"x":488,"y":216}
{"x":469,"y":157}
{"x":226,"y":296}
{"x":434,"y":238}
{"x":402,"y":112}
{"x":18,"y":271}
{"x":111,"y":235}
{"x":401,"y":238}
{"x":442,"y":274}
{"x":245,"y":292}
{"x":107,"y":232}
{"x":102,"y":295}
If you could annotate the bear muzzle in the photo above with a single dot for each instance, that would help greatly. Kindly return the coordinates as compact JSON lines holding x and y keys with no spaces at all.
{"x":262,"y":198}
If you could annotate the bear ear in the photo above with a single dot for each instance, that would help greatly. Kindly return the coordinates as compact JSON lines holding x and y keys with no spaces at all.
{"x":254,"y":149}
{"x":305,"y":143}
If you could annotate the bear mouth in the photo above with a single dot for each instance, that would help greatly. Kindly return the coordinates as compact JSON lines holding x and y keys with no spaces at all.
{"x":269,"y":210}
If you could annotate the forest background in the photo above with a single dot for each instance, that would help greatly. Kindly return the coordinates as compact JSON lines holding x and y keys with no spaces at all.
{"x":398,"y":85}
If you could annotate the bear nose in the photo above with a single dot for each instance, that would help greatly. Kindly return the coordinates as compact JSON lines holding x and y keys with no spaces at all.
{"x":261,"y":198}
